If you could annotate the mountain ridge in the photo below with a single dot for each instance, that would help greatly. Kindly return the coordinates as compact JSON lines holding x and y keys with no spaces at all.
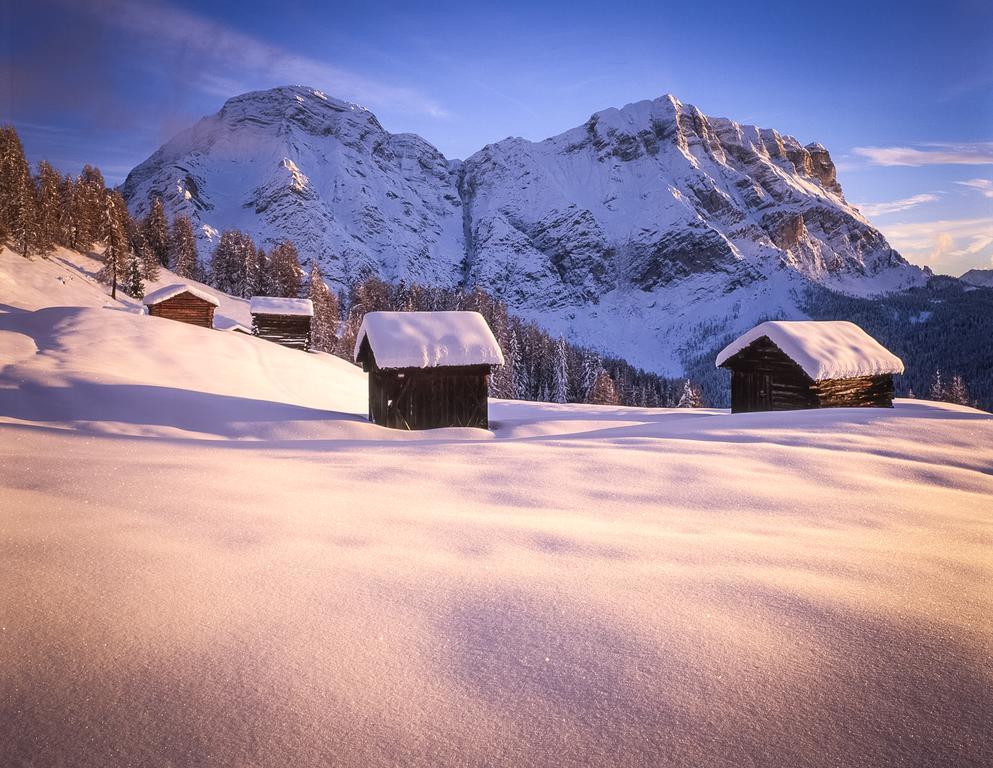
{"x":649,"y":218}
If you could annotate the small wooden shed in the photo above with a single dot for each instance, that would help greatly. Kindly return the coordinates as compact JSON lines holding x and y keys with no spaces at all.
{"x":427,"y":369}
{"x":285,"y":321}
{"x":183,"y":302}
{"x":786,"y":365}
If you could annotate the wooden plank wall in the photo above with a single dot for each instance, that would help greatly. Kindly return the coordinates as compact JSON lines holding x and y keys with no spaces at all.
{"x":430,"y":398}
{"x":289,"y":330}
{"x":186,"y":308}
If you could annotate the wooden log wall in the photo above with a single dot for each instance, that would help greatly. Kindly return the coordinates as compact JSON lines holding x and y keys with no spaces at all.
{"x":430,"y":398}
{"x":289,"y":330}
{"x":862,"y":392}
{"x":186,"y":308}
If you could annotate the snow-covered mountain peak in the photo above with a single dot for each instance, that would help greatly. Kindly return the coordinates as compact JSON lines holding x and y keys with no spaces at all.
{"x":647,"y":216}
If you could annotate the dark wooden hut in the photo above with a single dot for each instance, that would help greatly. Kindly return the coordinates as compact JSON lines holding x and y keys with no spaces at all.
{"x":184,"y":303}
{"x":427,"y":369}
{"x":285,"y":321}
{"x":782,"y":365}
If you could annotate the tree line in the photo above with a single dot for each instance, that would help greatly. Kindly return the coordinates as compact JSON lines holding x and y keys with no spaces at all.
{"x":41,"y":211}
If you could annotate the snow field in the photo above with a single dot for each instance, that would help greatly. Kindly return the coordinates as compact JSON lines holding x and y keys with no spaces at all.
{"x":208,"y":556}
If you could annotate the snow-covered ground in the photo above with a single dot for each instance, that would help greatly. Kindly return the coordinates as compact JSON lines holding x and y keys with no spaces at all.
{"x":209,"y":557}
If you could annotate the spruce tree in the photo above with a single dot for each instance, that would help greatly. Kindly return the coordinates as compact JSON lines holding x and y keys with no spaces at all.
{"x":937,"y":388}
{"x":113,"y":234}
{"x":68,"y":213}
{"x":155,"y":228}
{"x":91,"y":192}
{"x":183,"y":249}
{"x":690,"y":397}
{"x":603,"y":391}
{"x":285,"y":270}
{"x":560,"y":374}
{"x":49,"y":205}
{"x":134,"y":284}
{"x":324,"y":326}
{"x":957,"y":391}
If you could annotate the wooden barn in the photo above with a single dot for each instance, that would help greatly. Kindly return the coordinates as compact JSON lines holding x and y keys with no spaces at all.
{"x":285,"y":321}
{"x":427,"y":369}
{"x":184,"y":303}
{"x":782,"y":365}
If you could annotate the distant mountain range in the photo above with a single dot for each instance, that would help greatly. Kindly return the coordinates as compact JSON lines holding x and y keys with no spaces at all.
{"x":980,"y":277}
{"x":649,"y":231}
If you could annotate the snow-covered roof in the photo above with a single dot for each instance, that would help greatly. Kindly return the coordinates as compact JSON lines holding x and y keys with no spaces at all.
{"x":276,"y":305}
{"x":170,"y":291}
{"x":428,"y":339}
{"x":824,"y":349}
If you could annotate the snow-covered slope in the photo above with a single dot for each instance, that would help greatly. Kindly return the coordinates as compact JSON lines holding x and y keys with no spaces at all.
{"x":980,"y":277}
{"x":208,"y":556}
{"x":653,"y":220}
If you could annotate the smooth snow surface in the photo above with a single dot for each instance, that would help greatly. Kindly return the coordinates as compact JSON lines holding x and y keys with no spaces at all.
{"x":275,"y":305}
{"x":428,"y":339}
{"x":824,"y":349}
{"x":208,"y":556}
{"x":169,"y":291}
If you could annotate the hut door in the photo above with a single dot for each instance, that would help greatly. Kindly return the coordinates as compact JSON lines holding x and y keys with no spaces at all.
{"x":763,"y":395}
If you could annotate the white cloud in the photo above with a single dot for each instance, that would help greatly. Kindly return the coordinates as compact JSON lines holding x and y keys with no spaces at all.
{"x":975,"y":153}
{"x":895,"y":206}
{"x":222,"y":61}
{"x":949,"y":246}
{"x":982,"y":186}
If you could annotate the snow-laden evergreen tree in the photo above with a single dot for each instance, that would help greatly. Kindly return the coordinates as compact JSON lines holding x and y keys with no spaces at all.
{"x":155,"y":229}
{"x":690,"y":396}
{"x":91,"y":192}
{"x":937,"y":389}
{"x":324,"y":325}
{"x":148,"y":261}
{"x":234,"y":264}
{"x":49,"y":205}
{"x":183,"y":249}
{"x":68,"y":212}
{"x":285,"y":271}
{"x":560,"y":374}
{"x":910,"y":394}
{"x":18,"y":203}
{"x":957,"y":391}
{"x":520,"y":388}
{"x":113,"y":234}
{"x":603,"y":391}
{"x":592,"y":368}
{"x":134,"y":284}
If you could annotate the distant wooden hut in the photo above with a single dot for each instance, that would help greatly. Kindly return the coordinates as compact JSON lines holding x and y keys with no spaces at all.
{"x":183,"y":302}
{"x":285,"y":321}
{"x":782,"y":365}
{"x":427,"y":369}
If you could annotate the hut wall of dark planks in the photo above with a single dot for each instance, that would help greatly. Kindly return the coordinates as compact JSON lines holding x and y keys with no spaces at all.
{"x":289,"y":330}
{"x":184,"y":307}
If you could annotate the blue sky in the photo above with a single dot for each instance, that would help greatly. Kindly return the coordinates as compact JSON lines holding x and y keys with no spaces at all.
{"x":901,"y":93}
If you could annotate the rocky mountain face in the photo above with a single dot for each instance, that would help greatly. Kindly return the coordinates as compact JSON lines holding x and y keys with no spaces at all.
{"x":979,"y":277}
{"x":647,"y":231}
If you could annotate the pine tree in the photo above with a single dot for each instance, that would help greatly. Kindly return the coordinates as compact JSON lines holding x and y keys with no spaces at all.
{"x":48,"y":208}
{"x":285,"y":271}
{"x":690,"y":397}
{"x":324,"y":326}
{"x":183,"y":249}
{"x":155,"y":228}
{"x":148,"y":262}
{"x":18,"y":203}
{"x":937,"y":388}
{"x":232,"y":262}
{"x":114,"y":237}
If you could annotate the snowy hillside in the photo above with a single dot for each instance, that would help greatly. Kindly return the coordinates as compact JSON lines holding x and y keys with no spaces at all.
{"x":980,"y":277}
{"x":650,"y":220}
{"x":210,"y":556}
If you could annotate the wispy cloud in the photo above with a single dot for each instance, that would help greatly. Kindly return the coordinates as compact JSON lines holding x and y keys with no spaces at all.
{"x":949,"y":246}
{"x":895,"y":206}
{"x":975,"y":153}
{"x":982,"y":186}
{"x":222,"y":61}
